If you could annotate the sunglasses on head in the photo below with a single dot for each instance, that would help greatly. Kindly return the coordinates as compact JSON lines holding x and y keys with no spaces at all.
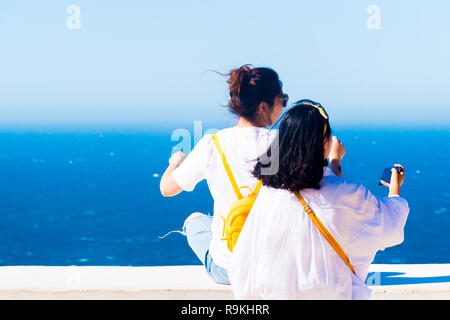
{"x":316,"y":105}
{"x":319,"y":107}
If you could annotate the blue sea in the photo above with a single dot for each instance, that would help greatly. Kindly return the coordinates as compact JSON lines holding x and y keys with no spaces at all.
{"x":92,"y":198}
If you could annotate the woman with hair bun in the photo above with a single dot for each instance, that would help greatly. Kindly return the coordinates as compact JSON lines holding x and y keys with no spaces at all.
{"x":257,"y":98}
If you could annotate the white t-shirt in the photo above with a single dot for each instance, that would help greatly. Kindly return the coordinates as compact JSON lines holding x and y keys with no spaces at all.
{"x":281,"y":254}
{"x":242,"y":147}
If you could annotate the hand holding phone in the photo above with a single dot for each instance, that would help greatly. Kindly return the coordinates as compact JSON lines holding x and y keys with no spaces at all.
{"x":395,"y":175}
{"x":386,"y":175}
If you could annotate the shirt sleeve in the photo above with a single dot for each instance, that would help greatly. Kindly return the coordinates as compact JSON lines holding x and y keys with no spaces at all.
{"x":379,"y":221}
{"x":193,"y":169}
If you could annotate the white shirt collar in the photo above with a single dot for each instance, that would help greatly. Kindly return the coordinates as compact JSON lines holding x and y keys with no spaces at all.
{"x":327,"y":172}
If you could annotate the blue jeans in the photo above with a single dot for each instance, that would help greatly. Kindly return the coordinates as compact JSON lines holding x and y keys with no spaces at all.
{"x":198,"y":232}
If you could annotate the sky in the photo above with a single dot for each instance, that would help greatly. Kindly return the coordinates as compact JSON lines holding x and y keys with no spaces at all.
{"x":145,"y":63}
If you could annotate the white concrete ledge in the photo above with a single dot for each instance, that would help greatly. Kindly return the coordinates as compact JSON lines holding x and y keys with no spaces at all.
{"x":421,"y":281}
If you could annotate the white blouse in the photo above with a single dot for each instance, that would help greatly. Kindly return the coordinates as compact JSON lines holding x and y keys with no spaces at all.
{"x":280,"y":253}
{"x":241,"y":146}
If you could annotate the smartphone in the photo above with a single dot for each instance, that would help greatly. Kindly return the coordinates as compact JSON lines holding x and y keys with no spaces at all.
{"x":386,"y":176}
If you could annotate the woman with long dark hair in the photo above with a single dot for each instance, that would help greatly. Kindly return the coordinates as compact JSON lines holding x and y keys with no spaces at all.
{"x":312,"y":234}
{"x":257,"y":98}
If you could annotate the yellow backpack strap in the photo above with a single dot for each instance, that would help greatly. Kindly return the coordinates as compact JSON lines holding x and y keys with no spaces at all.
{"x":258,"y":186}
{"x":325,"y":232}
{"x":227,"y":168}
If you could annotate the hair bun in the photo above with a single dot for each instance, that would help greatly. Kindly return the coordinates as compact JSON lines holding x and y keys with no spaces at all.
{"x":239,"y":78}
{"x":249,"y":86}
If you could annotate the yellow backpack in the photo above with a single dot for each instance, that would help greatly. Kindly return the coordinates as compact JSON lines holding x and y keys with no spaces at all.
{"x":240,"y":209}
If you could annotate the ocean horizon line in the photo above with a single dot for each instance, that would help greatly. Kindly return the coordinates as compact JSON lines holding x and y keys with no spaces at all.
{"x":205,"y":125}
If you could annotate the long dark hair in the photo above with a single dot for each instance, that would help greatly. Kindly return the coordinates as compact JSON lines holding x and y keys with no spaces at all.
{"x":249,"y":87}
{"x":300,"y":144}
